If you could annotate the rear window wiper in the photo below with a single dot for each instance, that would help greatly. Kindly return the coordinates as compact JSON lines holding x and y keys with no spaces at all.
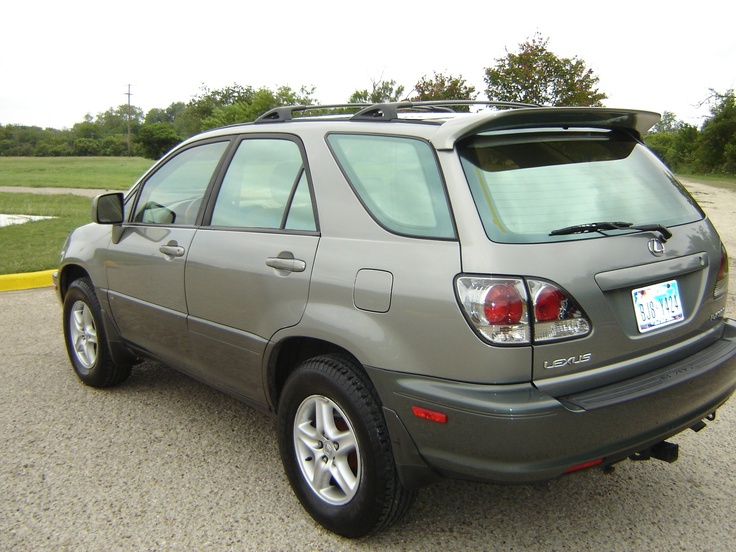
{"x":664,"y":233}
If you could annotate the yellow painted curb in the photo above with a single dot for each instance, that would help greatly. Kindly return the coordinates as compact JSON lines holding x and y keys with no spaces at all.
{"x":28,"y":280}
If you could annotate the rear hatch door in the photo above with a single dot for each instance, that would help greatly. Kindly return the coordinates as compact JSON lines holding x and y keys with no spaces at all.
{"x":593,"y":212}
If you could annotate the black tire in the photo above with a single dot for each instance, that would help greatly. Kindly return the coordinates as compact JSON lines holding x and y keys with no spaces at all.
{"x":336,"y":450}
{"x":86,"y":342}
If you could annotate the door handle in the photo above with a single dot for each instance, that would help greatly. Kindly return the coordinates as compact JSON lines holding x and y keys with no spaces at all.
{"x":290,"y":265}
{"x":172,"y":250}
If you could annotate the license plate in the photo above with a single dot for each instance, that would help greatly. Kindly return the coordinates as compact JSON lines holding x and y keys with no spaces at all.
{"x":657,"y":306}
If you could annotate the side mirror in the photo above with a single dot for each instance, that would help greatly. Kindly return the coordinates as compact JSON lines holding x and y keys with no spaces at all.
{"x":108,"y":208}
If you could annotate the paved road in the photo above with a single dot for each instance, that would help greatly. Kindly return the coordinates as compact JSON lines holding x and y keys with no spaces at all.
{"x":165,"y":463}
{"x":74,"y":191}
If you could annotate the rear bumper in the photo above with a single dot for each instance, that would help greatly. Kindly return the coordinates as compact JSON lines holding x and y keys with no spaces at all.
{"x":519,"y":434}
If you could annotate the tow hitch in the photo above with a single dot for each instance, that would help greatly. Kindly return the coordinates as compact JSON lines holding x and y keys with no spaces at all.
{"x":667,"y":452}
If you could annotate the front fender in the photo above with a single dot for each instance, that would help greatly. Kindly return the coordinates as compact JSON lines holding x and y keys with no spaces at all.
{"x":85,"y":251}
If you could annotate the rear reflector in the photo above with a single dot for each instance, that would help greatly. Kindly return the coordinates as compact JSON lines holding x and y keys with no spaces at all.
{"x":585,"y":465}
{"x":430,"y":415}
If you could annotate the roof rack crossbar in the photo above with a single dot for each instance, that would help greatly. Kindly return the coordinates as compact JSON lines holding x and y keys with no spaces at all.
{"x":390,"y":111}
{"x":286,"y":113}
{"x":387,"y":111}
{"x":490,"y":103}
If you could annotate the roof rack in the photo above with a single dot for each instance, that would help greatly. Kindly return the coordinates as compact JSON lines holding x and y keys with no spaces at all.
{"x":286,"y":113}
{"x":388,"y":111}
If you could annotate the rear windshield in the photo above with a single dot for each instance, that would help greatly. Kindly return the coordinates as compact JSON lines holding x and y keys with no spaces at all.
{"x":526,"y":185}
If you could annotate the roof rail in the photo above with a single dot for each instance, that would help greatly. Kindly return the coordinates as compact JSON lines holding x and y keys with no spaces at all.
{"x":387,"y":111}
{"x":390,"y":111}
{"x":286,"y":113}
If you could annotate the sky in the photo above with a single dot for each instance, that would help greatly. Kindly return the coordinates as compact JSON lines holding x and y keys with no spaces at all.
{"x":62,"y":60}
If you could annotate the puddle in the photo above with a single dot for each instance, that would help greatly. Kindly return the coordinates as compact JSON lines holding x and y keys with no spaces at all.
{"x":8,"y":220}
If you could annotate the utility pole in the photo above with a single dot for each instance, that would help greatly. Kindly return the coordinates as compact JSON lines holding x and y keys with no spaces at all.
{"x":128,"y":93}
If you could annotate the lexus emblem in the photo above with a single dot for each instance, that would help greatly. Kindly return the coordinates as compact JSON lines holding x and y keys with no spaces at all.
{"x":656,"y":247}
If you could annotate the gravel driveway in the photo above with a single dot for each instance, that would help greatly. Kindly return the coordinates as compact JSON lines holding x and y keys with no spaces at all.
{"x":164,"y":463}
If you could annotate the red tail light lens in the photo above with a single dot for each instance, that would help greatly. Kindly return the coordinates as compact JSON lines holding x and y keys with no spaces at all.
{"x":503,"y":305}
{"x":548,"y":304}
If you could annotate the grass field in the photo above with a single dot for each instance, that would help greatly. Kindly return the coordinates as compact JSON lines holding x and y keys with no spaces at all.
{"x":36,"y":245}
{"x":108,"y":173}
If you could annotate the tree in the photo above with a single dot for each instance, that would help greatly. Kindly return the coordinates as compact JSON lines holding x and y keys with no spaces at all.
{"x":538,"y":76}
{"x":115,"y":121}
{"x":673,"y":141}
{"x":168,"y":115}
{"x":207,"y":102}
{"x":443,"y":87}
{"x":668,"y":123}
{"x":86,"y":129}
{"x":156,"y":139}
{"x":108,"y":131}
{"x":717,"y":148}
{"x":381,"y":91}
{"x":114,"y":146}
{"x":86,"y":147}
{"x":260,"y":101}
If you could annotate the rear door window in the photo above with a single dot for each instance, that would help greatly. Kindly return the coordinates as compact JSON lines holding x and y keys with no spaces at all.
{"x":266,"y":186}
{"x":525,"y":185}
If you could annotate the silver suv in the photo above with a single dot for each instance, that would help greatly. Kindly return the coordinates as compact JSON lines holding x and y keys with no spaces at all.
{"x":507,"y":295}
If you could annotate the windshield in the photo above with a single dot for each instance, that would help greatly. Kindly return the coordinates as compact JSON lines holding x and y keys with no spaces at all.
{"x":528,"y":184}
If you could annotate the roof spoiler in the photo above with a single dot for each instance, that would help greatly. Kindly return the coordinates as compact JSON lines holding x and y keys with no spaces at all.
{"x":634,"y":121}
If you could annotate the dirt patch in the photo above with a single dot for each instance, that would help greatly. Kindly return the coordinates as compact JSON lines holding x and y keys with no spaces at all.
{"x":720,"y":206}
{"x":74,"y":191}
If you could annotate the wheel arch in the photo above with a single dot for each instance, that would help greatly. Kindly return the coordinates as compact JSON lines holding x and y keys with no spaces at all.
{"x":68,"y":274}
{"x":288,"y":354}
{"x":120,"y":353}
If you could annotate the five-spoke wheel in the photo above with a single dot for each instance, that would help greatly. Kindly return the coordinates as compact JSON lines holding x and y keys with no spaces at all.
{"x":327,"y":450}
{"x":336,"y":449}
{"x":84,"y":334}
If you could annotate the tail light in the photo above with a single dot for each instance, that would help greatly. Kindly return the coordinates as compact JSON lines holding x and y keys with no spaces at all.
{"x":556,"y":315}
{"x":722,"y":279}
{"x":501,"y":312}
{"x":496,"y":308}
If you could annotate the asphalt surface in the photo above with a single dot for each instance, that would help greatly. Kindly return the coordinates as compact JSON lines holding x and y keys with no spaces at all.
{"x":164,"y":463}
{"x":45,"y":190}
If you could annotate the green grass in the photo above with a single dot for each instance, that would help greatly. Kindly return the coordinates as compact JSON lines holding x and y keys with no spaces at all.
{"x":108,"y":173}
{"x":36,"y":245}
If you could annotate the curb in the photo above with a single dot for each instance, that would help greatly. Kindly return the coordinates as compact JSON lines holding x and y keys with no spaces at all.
{"x":27,"y":280}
